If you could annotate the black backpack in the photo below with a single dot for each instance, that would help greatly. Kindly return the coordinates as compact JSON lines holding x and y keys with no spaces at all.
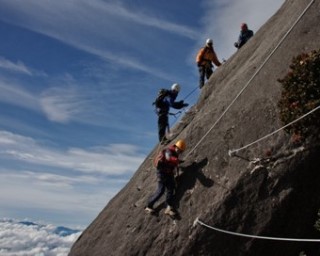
{"x":161,"y":95}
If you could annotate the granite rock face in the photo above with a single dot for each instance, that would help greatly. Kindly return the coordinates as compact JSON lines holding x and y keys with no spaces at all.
{"x":275,"y":197}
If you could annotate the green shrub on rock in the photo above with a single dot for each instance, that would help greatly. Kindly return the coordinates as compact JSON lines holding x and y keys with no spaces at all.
{"x":301,"y":94}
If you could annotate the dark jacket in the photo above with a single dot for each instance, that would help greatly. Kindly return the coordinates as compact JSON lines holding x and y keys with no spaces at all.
{"x":169,"y":101}
{"x":244,"y":36}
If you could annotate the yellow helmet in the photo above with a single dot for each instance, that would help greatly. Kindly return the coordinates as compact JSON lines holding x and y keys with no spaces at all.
{"x":181,"y":145}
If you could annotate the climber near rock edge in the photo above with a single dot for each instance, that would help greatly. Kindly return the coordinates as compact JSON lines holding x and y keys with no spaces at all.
{"x":245,"y":35}
{"x":204,"y":59}
{"x":166,"y":163}
{"x":166,"y":99}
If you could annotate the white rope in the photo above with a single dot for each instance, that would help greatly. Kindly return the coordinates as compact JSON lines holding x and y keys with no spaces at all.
{"x":254,"y":236}
{"x":233,"y":151}
{"x":183,"y":109}
{"x":253,"y":76}
{"x":197,"y":221}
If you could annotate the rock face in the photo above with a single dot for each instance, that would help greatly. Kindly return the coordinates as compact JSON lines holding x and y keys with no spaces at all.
{"x":279,"y":197}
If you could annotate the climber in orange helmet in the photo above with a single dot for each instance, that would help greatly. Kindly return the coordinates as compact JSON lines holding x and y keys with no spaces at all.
{"x":166,"y":163}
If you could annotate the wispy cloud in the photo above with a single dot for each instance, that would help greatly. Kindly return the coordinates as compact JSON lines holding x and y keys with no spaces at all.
{"x":109,"y":160}
{"x":62,"y":104}
{"x":15,"y":94}
{"x":94,"y":26}
{"x":16,"y":67}
{"x":49,"y":180}
{"x":55,"y":192}
{"x":59,"y":104}
{"x":124,"y":60}
{"x":139,"y":17}
{"x":221,"y":20}
{"x":19,"y":67}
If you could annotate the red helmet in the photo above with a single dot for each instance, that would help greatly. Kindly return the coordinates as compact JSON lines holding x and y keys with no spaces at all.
{"x":244,"y":26}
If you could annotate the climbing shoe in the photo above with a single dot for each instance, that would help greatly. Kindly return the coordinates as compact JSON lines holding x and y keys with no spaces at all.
{"x":149,"y":210}
{"x":170,"y":211}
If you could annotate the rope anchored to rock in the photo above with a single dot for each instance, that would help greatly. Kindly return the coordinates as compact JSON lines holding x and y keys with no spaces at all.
{"x":234,"y":152}
{"x":197,"y":221}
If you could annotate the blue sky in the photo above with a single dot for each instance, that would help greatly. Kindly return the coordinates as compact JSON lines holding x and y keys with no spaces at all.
{"x":77,"y":80}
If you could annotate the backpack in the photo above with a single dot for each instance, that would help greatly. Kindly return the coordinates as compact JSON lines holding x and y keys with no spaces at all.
{"x":159,"y":159}
{"x":159,"y":100}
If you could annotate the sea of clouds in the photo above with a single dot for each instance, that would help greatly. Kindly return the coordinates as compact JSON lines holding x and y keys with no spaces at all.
{"x":25,"y":238}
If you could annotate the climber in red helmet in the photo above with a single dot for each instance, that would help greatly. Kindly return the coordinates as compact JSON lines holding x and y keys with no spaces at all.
{"x":245,"y":35}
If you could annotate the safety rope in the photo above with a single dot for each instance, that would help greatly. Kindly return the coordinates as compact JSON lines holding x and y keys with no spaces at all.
{"x":176,"y":115}
{"x":190,"y":93}
{"x":255,"y":236}
{"x":227,"y":109}
{"x":253,"y":76}
{"x":233,"y":151}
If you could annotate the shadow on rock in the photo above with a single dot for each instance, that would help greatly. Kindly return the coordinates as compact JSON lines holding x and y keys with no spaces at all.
{"x":188,"y":177}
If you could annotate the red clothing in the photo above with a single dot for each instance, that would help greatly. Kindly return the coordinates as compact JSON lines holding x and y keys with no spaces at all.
{"x":168,"y":160}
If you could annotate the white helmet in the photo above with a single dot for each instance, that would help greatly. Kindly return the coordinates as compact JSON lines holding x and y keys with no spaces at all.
{"x":209,"y":41}
{"x":175,"y":87}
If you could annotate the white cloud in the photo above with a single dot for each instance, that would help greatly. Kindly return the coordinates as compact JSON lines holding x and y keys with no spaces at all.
{"x":14,"y":94}
{"x":56,"y":193}
{"x":16,"y":67}
{"x":61,"y":104}
{"x":222,"y":21}
{"x":124,"y":60}
{"x":18,"y":239}
{"x":19,"y":67}
{"x":107,"y":160}
{"x":96,"y":26}
{"x":93,"y":26}
{"x":144,"y":19}
{"x":79,"y":180}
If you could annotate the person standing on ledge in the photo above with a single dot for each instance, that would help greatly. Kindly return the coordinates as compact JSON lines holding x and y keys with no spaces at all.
{"x":204,"y":59}
{"x":166,"y":99}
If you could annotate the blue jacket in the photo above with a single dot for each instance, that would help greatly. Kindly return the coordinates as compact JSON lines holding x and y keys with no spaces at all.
{"x":167,"y":102}
{"x":243,"y":38}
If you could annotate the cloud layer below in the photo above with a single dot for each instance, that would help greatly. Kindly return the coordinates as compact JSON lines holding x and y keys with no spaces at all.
{"x":24,"y":238}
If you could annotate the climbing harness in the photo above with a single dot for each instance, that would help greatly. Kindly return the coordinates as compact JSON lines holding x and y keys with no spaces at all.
{"x":175,"y":114}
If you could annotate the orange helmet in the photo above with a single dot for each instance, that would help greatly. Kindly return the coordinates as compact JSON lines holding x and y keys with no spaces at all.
{"x":180,"y":144}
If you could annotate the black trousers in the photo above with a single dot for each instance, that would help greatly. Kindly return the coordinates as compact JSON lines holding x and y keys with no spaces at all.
{"x":163,"y":123}
{"x":167,"y":183}
{"x":204,"y":71}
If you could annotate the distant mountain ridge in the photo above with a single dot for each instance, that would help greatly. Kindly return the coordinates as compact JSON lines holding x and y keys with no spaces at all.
{"x":280,"y":198}
{"x":60,"y":230}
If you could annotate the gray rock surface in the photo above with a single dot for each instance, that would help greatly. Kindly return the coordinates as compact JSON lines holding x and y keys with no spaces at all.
{"x":279,"y":198}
